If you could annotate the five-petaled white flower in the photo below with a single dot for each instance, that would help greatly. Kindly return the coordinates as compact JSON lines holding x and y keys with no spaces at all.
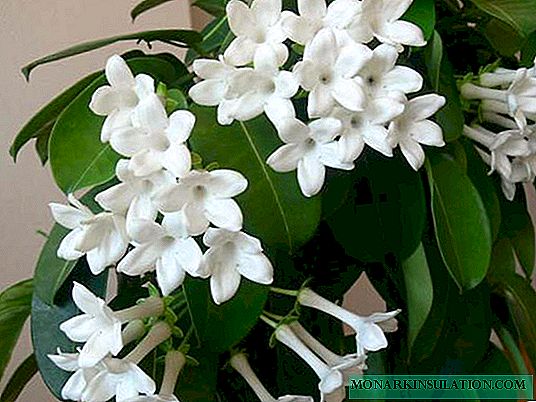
{"x":380,"y":19}
{"x":308,"y":149}
{"x":230,"y":256}
{"x":315,"y":15}
{"x":412,"y":128}
{"x":206,"y":197}
{"x":257,"y":29}
{"x":101,"y":237}
{"x":155,"y":141}
{"x":168,"y":248}
{"x":117,"y":100}
{"x":328,"y":72}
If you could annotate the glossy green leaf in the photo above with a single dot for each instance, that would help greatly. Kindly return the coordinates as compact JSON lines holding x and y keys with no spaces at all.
{"x":22,"y":376}
{"x":214,"y":35}
{"x":528,"y":52}
{"x":502,"y":258}
{"x":274,"y":208}
{"x":144,"y":6}
{"x":422,"y":13}
{"x":519,"y":14}
{"x":384,"y":212}
{"x":519,"y":228}
{"x":419,"y":292}
{"x":177,"y":36}
{"x":494,"y":362}
{"x":77,"y":156}
{"x":220,"y":327}
{"x":45,"y":319}
{"x":15,"y":302}
{"x":40,"y":126}
{"x":461,"y":223}
{"x":505,"y":39}
{"x":213,"y":7}
{"x":441,"y":77}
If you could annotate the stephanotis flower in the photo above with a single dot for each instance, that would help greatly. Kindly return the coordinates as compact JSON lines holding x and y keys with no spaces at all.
{"x":367,"y":127}
{"x":257,"y":29}
{"x":240,"y":363}
{"x":327,"y":71}
{"x":168,"y":248}
{"x":101,"y":237}
{"x":369,"y":330}
{"x":100,"y":327}
{"x":412,"y":128}
{"x":117,"y":100}
{"x":262,"y":89}
{"x":206,"y":197}
{"x":331,"y":379}
{"x":122,"y":378}
{"x":230,"y":256}
{"x":315,"y":15}
{"x":380,"y":19}
{"x":155,"y":141}
{"x":308,"y":149}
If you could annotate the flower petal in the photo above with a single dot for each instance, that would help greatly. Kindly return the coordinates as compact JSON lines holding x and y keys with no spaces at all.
{"x":225,"y":183}
{"x":224,"y":213}
{"x":311,"y":175}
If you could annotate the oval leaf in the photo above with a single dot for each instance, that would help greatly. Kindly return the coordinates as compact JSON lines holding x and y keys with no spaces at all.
{"x":77,"y":156}
{"x":461,"y":223}
{"x":519,"y":14}
{"x":274,"y":208}
{"x":15,"y":303}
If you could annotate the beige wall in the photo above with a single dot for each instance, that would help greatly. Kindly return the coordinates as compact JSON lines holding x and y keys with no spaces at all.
{"x":30,"y":29}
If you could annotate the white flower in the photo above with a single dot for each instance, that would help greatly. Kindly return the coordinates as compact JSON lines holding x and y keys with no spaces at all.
{"x":100,"y":327}
{"x":308,"y":149}
{"x":522,"y":97}
{"x":331,"y":379}
{"x":154,"y":398}
{"x":315,"y":15}
{"x":118,"y":100}
{"x":262,"y":89}
{"x":230,"y":256}
{"x":211,"y":91}
{"x":206,"y":197}
{"x":240,"y":363}
{"x":381,"y":19}
{"x":412,"y":128}
{"x":327,"y":71}
{"x":367,"y":127}
{"x":134,"y":192}
{"x":381,"y":77}
{"x":369,"y":330}
{"x":155,"y":141}
{"x":77,"y":382}
{"x":122,"y":378}
{"x":102,"y":237}
{"x":257,"y":28}
{"x":168,"y":248}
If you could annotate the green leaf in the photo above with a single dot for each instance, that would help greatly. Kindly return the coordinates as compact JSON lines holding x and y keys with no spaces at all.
{"x":384,"y":213}
{"x":518,"y":227}
{"x":214,"y":35}
{"x":220,"y":327}
{"x":528,"y":52}
{"x":77,"y":156}
{"x":521,"y":299}
{"x":494,"y":362}
{"x":441,"y":76}
{"x":461,"y":223}
{"x":213,"y":7}
{"x":176,"y":36}
{"x":46,"y":334}
{"x":519,"y":14}
{"x":419,"y":292}
{"x":15,"y":304}
{"x":422,"y":13}
{"x":503,"y":38}
{"x":274,"y":208}
{"x":41,"y":124}
{"x":22,"y":376}
{"x":144,"y":6}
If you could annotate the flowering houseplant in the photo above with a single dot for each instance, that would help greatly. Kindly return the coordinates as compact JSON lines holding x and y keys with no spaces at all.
{"x":233,"y":197}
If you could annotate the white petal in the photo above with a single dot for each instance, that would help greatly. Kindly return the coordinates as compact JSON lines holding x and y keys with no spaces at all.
{"x":325,"y":130}
{"x":403,"y":79}
{"x":224,"y":282}
{"x":279,"y":109}
{"x":413,"y":153}
{"x":256,"y":268}
{"x":224,"y":183}
{"x":402,"y":32}
{"x":292,"y":131}
{"x":322,"y":48}
{"x":177,"y":159}
{"x":240,"y":51}
{"x":372,"y":338}
{"x":181,"y":124}
{"x":266,"y":11}
{"x":298,"y":29}
{"x":141,"y":259}
{"x":86,"y":301}
{"x":240,"y":18}
{"x":74,"y":387}
{"x":67,"y":216}
{"x":311,"y":175}
{"x":286,"y":158}
{"x":286,"y":84}
{"x":349,"y":94}
{"x":144,"y":85}
{"x":208,"y":93}
{"x":189,"y":255}
{"x":68,"y":249}
{"x":145,"y":163}
{"x":224,"y":213}
{"x":169,"y":273}
{"x":428,"y":133}
{"x":351,"y":59}
{"x":196,"y":220}
{"x":151,"y":114}
{"x":321,"y":102}
{"x":118,"y":73}
{"x":423,"y":107}
{"x":128,"y":141}
{"x":116,"y":199}
{"x":313,"y":9}
{"x":210,"y":69}
{"x":104,"y":101}
{"x":376,"y":137}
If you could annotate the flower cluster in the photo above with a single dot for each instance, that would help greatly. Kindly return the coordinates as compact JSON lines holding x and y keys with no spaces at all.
{"x":160,"y":203}
{"x":356,"y":95}
{"x":507,"y":107}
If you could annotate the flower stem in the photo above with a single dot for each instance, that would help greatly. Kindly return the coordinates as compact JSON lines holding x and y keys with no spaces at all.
{"x":272,"y":315}
{"x":271,"y":323}
{"x":471,"y":91}
{"x":175,"y":361}
{"x":133,"y":331}
{"x":240,"y":363}
{"x":286,"y":292}
{"x":151,"y":307}
{"x":158,"y":334}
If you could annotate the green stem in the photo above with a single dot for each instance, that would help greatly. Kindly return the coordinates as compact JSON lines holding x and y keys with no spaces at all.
{"x":272,"y":315}
{"x":286,"y":292}
{"x":271,"y":323}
